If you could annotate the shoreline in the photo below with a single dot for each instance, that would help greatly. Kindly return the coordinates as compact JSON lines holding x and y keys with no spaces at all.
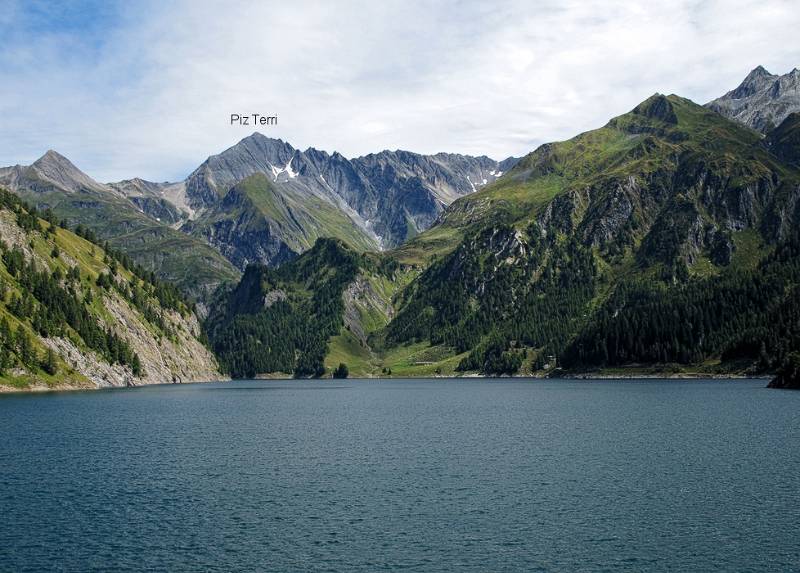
{"x":45,"y":389}
{"x":41,"y":389}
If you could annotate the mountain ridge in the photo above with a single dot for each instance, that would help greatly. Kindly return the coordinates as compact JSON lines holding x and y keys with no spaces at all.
{"x":762,"y":101}
{"x":558,"y":259}
{"x":388,"y":195}
{"x":373,"y":202}
{"x":75,"y":315}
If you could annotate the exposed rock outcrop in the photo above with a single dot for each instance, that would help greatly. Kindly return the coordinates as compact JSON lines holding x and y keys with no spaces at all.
{"x":762,"y":101}
{"x":77,"y":317}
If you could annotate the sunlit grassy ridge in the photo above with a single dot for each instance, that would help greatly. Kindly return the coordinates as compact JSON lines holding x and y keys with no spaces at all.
{"x":255,"y":205}
{"x":632,"y":145}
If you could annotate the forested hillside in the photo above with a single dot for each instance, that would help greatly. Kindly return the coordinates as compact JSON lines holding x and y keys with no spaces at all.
{"x":665,"y":240}
{"x":73,"y":313}
{"x":280,"y":320}
{"x":666,"y":237}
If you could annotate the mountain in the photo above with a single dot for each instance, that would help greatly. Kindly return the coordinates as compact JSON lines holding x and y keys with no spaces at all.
{"x":259,"y":201}
{"x":53,"y":182}
{"x":669,"y":204}
{"x":762,"y":101}
{"x":784,"y":140}
{"x":666,"y":240}
{"x":51,"y":170}
{"x":73,"y":315}
{"x":280,"y":320}
{"x":667,"y":211}
{"x":372,"y":202}
{"x":164,"y":202}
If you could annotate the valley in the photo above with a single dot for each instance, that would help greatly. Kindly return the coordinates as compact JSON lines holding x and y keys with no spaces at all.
{"x":664,"y":242}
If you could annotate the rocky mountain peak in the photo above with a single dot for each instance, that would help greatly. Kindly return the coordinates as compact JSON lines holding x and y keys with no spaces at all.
{"x":757,"y":72}
{"x":54,"y":160}
{"x":762,"y":101}
{"x":658,"y":107}
{"x":756,"y":80}
{"x":54,"y":168}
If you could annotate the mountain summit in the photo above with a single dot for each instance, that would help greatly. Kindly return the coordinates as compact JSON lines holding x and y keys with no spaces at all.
{"x":387,"y":197}
{"x":59,"y":170}
{"x":51,"y":170}
{"x":762,"y":101}
{"x":261,"y":201}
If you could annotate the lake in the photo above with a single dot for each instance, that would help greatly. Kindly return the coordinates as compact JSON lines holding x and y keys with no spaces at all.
{"x":418,"y":475}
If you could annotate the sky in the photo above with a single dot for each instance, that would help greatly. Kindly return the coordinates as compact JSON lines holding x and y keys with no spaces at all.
{"x":146,"y":89}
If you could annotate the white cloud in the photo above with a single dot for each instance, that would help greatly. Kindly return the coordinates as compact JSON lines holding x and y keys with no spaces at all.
{"x":151,"y":94}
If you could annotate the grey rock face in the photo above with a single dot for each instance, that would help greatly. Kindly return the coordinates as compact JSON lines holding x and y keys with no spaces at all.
{"x":376,"y":201}
{"x":390,"y":196}
{"x":51,"y":171}
{"x":610,"y":216}
{"x":762,"y":101}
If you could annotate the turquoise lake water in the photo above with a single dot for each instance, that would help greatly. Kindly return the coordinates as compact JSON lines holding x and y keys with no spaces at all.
{"x":438,"y":475}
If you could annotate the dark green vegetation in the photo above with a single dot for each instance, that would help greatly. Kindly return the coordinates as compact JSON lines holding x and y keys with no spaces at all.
{"x":788,"y":377}
{"x":749,"y":317}
{"x":52,"y":284}
{"x":511,"y":311}
{"x":784,"y":141}
{"x":280,"y":320}
{"x":189,"y":263}
{"x":341,"y":371}
{"x":665,"y":238}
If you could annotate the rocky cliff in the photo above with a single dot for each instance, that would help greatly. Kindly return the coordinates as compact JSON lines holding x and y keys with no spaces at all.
{"x":373,"y":202}
{"x":762,"y":101}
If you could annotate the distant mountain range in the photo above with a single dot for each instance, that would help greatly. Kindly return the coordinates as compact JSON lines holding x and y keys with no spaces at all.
{"x":666,"y":239}
{"x":53,"y":182}
{"x":259,"y":201}
{"x":264,"y":201}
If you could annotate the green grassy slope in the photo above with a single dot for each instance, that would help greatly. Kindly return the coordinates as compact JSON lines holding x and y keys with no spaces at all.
{"x":188,"y":262}
{"x":256,"y":220}
{"x":670,"y":194}
{"x":53,"y":288}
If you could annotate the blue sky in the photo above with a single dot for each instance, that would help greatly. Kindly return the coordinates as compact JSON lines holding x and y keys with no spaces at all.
{"x":145,"y":89}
